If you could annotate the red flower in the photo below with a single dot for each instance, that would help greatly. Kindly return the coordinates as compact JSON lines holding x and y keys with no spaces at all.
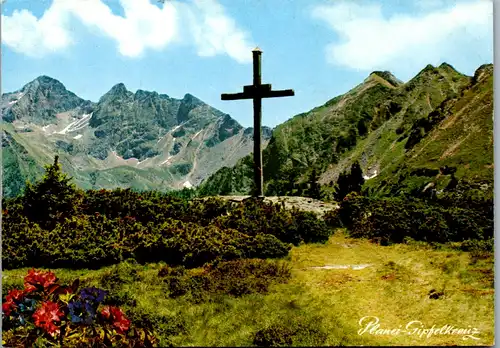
{"x":29,"y":287}
{"x":40,"y":278}
{"x":66,"y":290}
{"x":15,"y":294}
{"x":120,"y":321}
{"x":105,"y":312}
{"x":46,"y":317}
{"x":122,"y":325}
{"x":10,"y":304}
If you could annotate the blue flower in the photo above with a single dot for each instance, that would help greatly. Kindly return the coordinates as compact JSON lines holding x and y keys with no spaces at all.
{"x":27,"y":305}
{"x":93,"y":294}
{"x":91,"y":312}
{"x":75,"y":310}
{"x":22,"y":320}
{"x":81,"y":312}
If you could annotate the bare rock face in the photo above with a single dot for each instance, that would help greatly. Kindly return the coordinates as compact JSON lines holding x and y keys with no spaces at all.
{"x":483,"y":72}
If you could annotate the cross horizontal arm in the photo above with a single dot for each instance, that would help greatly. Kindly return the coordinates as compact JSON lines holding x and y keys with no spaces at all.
{"x":236,"y":96}
{"x":280,"y":93}
{"x":259,"y":94}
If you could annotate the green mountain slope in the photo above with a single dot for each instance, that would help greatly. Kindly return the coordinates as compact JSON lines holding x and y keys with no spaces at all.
{"x":453,"y":142}
{"x":384,"y":124}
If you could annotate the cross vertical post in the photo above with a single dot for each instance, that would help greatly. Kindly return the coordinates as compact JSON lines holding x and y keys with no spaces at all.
{"x":257,"y":91}
{"x":257,"y":123}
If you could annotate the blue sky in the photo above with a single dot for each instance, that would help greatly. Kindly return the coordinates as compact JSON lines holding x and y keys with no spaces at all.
{"x":319,"y":48}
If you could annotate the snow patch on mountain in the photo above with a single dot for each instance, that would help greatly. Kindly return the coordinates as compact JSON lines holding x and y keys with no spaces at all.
{"x":77,"y":125}
{"x":366,"y":177}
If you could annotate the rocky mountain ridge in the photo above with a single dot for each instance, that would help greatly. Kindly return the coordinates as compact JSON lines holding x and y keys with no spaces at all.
{"x":144,"y":140}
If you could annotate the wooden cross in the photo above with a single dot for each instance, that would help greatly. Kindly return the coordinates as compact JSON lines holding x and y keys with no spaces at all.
{"x":257,"y":91}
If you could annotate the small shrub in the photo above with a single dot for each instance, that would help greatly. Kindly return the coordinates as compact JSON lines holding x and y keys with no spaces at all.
{"x":163,"y":325}
{"x":311,"y":229}
{"x":274,"y":336}
{"x":96,"y":228}
{"x":392,"y":219}
{"x":235,"y":278}
{"x":298,"y":332}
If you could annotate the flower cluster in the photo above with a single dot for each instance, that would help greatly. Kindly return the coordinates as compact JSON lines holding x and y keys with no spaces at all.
{"x":35,"y":280}
{"x":48,"y":316}
{"x":120,"y":322}
{"x":11,"y":301}
{"x":60,"y":314}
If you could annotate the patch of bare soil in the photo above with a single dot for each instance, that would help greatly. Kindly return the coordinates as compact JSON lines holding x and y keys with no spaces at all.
{"x":301,"y":203}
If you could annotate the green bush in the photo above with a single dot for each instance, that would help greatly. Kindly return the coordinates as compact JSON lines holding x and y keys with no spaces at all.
{"x":235,"y":278}
{"x":76,"y":229}
{"x":22,"y":243}
{"x":274,"y":336}
{"x":298,"y":332}
{"x":254,"y":216}
{"x":89,"y":241}
{"x":394,"y":218}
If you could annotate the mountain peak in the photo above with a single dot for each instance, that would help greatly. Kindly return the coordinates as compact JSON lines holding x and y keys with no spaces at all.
{"x":46,"y":79}
{"x":119,"y":88}
{"x":190,"y":98}
{"x":44,"y":82}
{"x":387,"y":76}
{"x":429,"y":70}
{"x":429,"y":67}
{"x":188,"y":103}
{"x":446,"y":66}
{"x":483,"y":72}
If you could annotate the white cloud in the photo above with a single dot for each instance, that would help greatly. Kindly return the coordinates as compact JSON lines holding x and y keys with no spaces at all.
{"x":23,"y":32}
{"x":368,"y":40}
{"x":143,"y":26}
{"x":214,"y":32}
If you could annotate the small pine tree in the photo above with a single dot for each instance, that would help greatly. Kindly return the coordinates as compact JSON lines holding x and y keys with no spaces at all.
{"x":51,"y":199}
{"x":314,"y":190}
{"x":348,"y":182}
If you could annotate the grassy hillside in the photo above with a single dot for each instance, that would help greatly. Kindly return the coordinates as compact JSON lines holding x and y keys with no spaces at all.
{"x":319,"y":307}
{"x":397,"y":132}
{"x":455,"y":140}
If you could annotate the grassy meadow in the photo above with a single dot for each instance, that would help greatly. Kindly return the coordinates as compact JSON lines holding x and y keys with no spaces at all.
{"x":322,"y":306}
